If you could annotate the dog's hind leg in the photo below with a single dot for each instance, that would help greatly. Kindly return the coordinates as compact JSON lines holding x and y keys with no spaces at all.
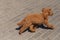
{"x":24,"y":27}
{"x":32,"y":28}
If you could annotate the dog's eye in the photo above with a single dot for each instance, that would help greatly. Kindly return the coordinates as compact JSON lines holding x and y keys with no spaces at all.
{"x":49,"y":9}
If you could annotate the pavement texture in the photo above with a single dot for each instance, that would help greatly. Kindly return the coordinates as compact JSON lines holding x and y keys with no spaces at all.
{"x":13,"y":11}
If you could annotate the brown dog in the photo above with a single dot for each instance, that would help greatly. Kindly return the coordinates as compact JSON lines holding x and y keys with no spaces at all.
{"x":31,"y":19}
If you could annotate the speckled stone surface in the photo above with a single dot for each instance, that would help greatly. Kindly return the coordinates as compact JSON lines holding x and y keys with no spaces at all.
{"x":13,"y":11}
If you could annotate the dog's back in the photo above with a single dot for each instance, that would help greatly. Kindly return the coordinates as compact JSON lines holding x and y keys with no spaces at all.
{"x":35,"y":18}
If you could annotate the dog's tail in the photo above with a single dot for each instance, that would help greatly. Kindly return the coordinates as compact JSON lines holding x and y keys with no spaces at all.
{"x":21,"y":23}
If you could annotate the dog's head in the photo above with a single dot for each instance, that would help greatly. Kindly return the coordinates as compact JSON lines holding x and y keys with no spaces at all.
{"x":47,"y":11}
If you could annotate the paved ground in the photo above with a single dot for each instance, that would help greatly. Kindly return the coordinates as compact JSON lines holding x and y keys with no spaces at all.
{"x":12,"y":11}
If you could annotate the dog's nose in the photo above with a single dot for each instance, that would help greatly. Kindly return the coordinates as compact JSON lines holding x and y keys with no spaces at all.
{"x":51,"y":14}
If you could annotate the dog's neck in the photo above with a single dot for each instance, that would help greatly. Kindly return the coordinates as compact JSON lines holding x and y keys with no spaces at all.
{"x":45,"y":15}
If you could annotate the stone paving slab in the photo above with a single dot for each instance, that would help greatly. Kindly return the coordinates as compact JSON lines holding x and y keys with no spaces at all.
{"x":13,"y":11}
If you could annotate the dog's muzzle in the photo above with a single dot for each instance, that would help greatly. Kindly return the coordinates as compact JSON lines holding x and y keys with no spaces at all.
{"x":51,"y":14}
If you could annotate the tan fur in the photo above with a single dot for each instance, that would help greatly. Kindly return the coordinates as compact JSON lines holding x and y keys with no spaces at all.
{"x":31,"y":19}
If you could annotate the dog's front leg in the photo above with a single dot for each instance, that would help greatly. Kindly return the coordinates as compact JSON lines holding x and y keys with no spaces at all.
{"x":47,"y":24}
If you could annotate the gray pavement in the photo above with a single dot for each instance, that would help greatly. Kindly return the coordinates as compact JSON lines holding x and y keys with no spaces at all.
{"x":13,"y":11}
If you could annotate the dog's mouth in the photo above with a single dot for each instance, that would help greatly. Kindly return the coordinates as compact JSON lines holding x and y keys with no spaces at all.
{"x":51,"y":14}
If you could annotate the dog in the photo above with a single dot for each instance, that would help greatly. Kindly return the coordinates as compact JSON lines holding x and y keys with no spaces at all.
{"x":41,"y":18}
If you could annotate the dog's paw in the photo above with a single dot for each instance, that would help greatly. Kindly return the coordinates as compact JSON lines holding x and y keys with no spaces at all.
{"x":51,"y":26}
{"x":19,"y":33}
{"x":32,"y":31}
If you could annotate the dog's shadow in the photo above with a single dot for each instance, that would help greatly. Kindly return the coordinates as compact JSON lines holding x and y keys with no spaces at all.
{"x":38,"y":26}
